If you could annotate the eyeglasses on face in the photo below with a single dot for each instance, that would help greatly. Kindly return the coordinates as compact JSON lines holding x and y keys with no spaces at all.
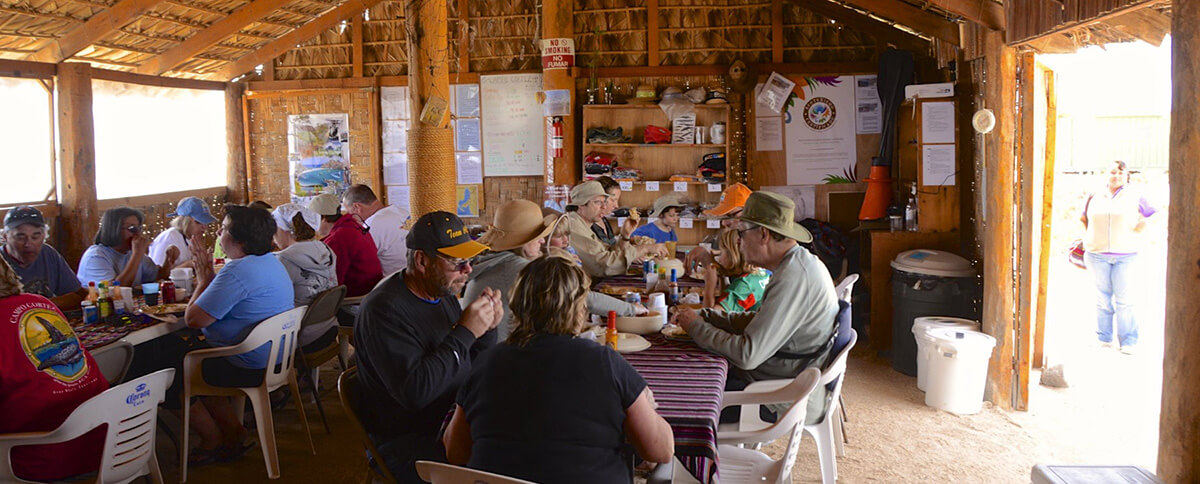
{"x":742,"y":232}
{"x":134,"y":229}
{"x":459,"y":264}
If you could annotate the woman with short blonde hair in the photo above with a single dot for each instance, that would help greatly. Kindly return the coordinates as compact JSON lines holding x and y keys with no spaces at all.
{"x":543,"y":377}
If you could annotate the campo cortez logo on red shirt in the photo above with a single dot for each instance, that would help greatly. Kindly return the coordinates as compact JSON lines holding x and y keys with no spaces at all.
{"x":51,"y":344}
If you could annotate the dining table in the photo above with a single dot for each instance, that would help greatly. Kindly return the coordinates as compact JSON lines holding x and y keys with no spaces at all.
{"x":143,"y":328}
{"x":688,"y":384}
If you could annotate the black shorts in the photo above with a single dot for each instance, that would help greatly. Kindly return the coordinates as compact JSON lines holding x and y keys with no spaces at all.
{"x":168,"y":352}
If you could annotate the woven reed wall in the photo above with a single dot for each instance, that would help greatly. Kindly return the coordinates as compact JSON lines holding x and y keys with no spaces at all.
{"x":1030,"y":18}
{"x":503,"y":36}
{"x":385,"y":45}
{"x":326,"y":55}
{"x":269,"y":180}
{"x":497,"y":190}
{"x":610,"y":33}
{"x":157,"y":219}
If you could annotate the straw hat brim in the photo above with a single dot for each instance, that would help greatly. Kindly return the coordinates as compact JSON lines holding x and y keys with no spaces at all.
{"x":499,"y":240}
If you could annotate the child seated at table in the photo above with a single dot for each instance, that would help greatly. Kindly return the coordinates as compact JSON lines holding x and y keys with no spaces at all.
{"x":559,"y":241}
{"x":730,"y":282}
{"x":667,"y":209}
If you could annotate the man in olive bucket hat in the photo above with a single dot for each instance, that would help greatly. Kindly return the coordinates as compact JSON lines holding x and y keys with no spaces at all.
{"x":794,"y":327}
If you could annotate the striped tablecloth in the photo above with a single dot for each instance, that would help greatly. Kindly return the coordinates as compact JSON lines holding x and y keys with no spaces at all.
{"x":93,"y":336}
{"x":688,"y":383}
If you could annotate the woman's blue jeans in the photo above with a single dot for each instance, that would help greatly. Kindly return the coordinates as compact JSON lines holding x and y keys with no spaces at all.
{"x":1114,"y":303}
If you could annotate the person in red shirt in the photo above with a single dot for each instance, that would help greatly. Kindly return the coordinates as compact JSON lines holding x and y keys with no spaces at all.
{"x":45,"y":373}
{"x":358,"y":267}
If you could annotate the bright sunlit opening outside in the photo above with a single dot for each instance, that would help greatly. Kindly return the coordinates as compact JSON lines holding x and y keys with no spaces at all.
{"x":28,"y":154}
{"x":157,"y":140}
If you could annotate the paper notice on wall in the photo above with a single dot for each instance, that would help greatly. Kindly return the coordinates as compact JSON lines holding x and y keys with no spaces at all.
{"x":513,"y":126}
{"x":395,"y":135}
{"x":395,"y":168}
{"x":768,"y":133}
{"x":804,"y":196}
{"x":937,"y":122}
{"x":937,"y":165}
{"x":469,"y":167}
{"x":398,"y":195}
{"x":466,"y":135}
{"x":775,"y":92}
{"x":870,"y":117}
{"x":820,"y":131}
{"x":394,"y":103}
{"x":466,"y":100}
{"x":557,"y":103}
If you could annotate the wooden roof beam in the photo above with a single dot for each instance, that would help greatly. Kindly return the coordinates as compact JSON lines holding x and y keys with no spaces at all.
{"x":291,"y":39}
{"x":1071,"y":27}
{"x":94,"y":29}
{"x":1146,"y":24}
{"x":874,"y":27}
{"x":983,"y":12}
{"x":231,"y":24}
{"x":923,"y":21}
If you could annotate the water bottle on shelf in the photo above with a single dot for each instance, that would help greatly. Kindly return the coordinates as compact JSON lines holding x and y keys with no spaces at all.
{"x":910,"y":211}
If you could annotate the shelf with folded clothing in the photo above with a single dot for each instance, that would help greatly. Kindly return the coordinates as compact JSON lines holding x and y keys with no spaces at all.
{"x":598,"y":146}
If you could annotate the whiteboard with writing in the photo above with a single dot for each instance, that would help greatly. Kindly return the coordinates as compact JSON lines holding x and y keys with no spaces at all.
{"x":513,"y":138}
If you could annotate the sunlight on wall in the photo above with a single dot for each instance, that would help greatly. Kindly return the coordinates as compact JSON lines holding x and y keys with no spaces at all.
{"x":157,"y":140}
{"x":27,"y":154}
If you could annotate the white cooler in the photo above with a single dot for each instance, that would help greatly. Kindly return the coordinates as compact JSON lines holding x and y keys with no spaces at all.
{"x":921,"y":326}
{"x":958,"y":372}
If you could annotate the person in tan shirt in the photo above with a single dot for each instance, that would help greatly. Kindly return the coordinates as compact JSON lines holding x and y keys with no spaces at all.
{"x":600,"y":259}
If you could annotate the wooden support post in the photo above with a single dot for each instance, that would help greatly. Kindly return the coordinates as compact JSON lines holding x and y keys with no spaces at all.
{"x":777,"y":31}
{"x":652,"y":56}
{"x":431,"y":170}
{"x":558,"y":23}
{"x":1027,"y":229}
{"x":999,"y":296}
{"x":235,"y":144}
{"x":1039,"y":336}
{"x":1178,"y":431}
{"x":356,"y":34}
{"x":80,"y":216}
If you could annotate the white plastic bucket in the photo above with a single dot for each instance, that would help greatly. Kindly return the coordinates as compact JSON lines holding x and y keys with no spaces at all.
{"x":959,"y":370}
{"x":924,"y":342}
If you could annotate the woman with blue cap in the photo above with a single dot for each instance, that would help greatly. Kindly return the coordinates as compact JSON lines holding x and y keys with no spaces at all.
{"x":191,"y":219}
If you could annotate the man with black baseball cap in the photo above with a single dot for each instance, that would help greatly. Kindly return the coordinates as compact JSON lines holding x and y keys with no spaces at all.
{"x":42,"y":269}
{"x":414,"y":343}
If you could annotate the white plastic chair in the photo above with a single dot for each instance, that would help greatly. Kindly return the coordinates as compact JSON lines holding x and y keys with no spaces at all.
{"x":747,"y":465}
{"x":439,"y":473}
{"x":130,"y":411}
{"x":280,"y":332}
{"x":828,"y":432}
{"x":113,"y":360}
{"x":846,"y":287}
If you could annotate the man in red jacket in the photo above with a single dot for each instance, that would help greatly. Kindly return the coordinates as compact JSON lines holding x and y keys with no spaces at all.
{"x":44,"y":375}
{"x":358,"y":266}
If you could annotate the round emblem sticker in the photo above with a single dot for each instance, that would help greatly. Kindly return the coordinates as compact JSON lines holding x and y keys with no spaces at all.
{"x":819,"y":113}
{"x":51,"y":345}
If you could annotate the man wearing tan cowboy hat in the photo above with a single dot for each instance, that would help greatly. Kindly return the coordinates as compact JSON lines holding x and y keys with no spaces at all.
{"x":516,"y":236}
{"x":794,"y":327}
{"x":601,"y":260}
{"x":415,"y":344}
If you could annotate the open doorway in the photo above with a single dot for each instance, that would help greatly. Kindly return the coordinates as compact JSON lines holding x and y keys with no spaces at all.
{"x":1111,"y":103}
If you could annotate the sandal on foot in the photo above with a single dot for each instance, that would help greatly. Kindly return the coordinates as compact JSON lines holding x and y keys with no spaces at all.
{"x":199,"y":457}
{"x":234,"y":452}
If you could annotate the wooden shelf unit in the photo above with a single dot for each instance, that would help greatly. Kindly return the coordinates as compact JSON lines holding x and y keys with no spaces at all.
{"x":658,"y":162}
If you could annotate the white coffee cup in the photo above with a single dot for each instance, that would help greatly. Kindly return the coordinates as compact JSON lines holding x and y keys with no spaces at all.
{"x":657,"y":299}
{"x":717,"y":134}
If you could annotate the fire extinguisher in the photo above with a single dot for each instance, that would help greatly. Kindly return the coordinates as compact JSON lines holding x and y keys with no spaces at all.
{"x":556,"y":137}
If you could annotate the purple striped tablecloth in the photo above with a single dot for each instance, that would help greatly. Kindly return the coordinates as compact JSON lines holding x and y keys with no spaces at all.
{"x":688,"y":383}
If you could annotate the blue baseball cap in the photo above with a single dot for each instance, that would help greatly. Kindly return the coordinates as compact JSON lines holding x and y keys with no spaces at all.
{"x":195,"y":208}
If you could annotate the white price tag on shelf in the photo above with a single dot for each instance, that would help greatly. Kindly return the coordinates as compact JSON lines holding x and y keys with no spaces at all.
{"x":651,"y":220}
{"x":714,"y":187}
{"x":652,"y":186}
{"x":713,"y":223}
{"x":626,"y":186}
{"x":620,"y":221}
{"x":681,"y":186}
{"x":685,"y":223}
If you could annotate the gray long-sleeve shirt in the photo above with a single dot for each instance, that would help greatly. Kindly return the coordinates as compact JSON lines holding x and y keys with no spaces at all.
{"x":498,"y":270}
{"x":797,"y":315}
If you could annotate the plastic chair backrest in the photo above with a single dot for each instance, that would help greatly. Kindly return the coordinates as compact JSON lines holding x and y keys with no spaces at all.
{"x":129,"y":410}
{"x":113,"y":360}
{"x":795,"y":392}
{"x":347,"y":385}
{"x":439,"y":473}
{"x":846,"y":287}
{"x":324,"y":306}
{"x":280,"y":332}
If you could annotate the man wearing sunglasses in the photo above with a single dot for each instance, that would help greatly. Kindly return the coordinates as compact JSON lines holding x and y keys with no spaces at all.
{"x":793,"y":328}
{"x":415,"y":344}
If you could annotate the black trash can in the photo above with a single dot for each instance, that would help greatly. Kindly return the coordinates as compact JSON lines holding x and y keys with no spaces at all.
{"x":927,"y":283}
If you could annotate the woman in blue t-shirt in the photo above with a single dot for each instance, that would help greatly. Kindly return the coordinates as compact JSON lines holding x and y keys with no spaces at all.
{"x":548,"y":407}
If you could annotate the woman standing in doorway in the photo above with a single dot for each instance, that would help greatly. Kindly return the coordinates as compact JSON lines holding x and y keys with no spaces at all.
{"x":1114,"y":218}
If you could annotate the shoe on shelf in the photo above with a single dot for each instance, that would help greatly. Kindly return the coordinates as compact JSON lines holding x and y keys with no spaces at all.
{"x":1129,"y":350}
